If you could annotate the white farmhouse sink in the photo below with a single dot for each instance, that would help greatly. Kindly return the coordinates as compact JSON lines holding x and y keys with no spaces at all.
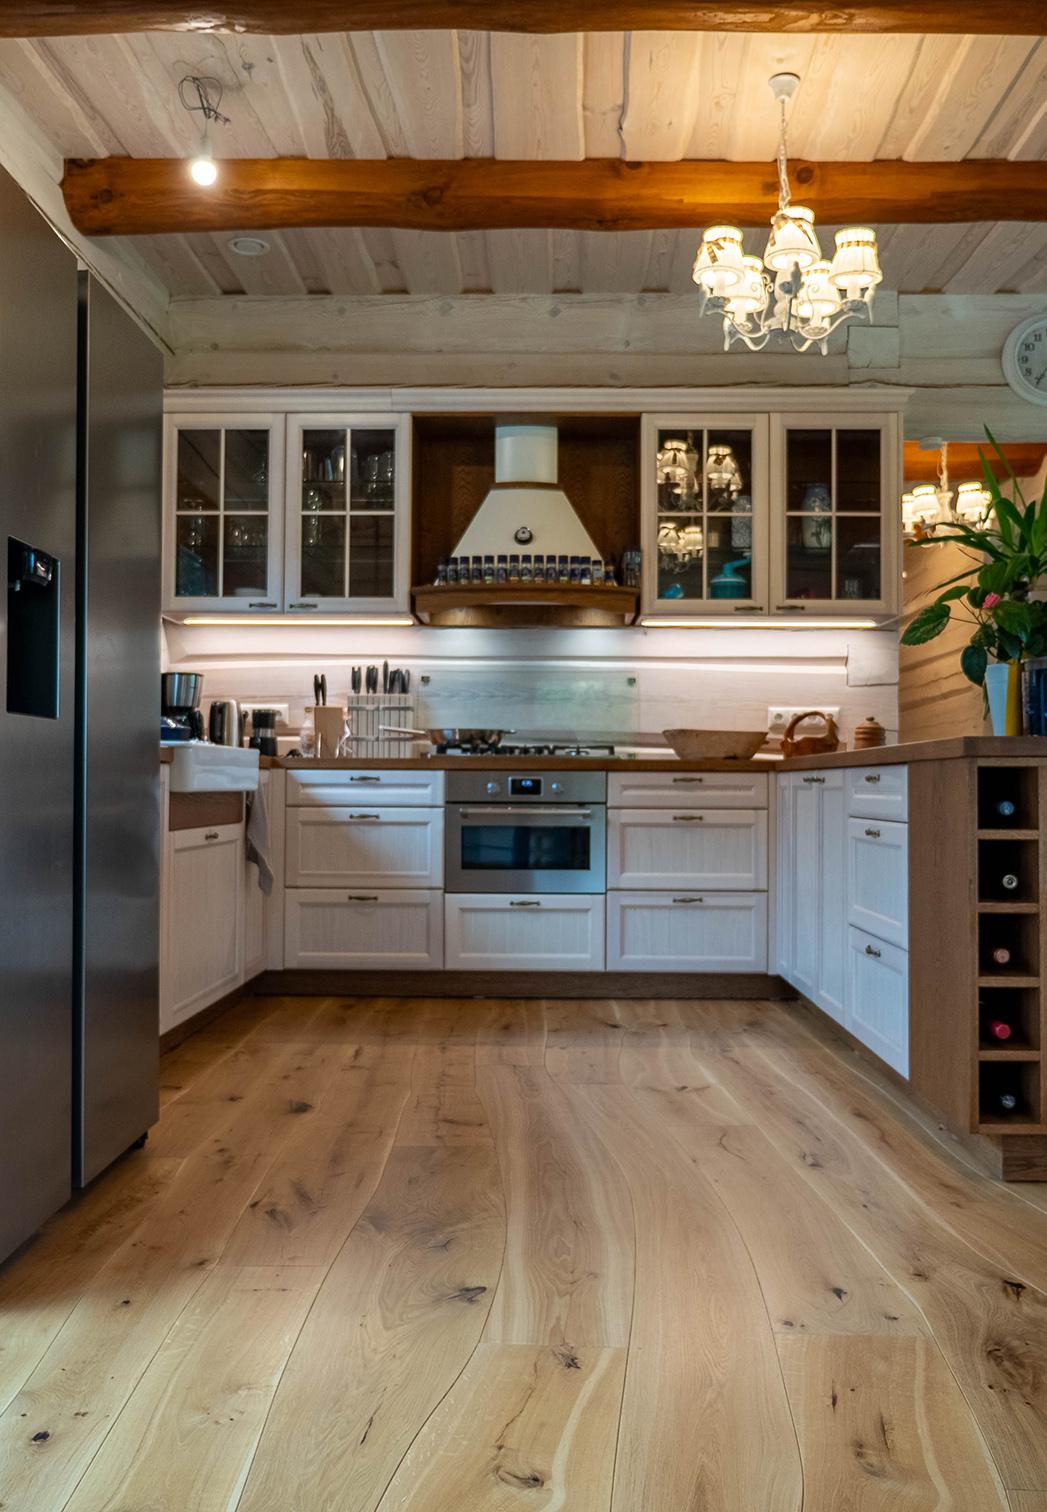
{"x":213,"y":769}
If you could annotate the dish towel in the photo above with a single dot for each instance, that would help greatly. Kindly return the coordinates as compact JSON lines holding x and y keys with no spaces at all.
{"x":257,"y":839}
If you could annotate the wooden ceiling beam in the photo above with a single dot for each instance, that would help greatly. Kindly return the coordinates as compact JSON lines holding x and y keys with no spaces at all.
{"x":1026,"y":458}
{"x":59,"y":18}
{"x":119,"y":196}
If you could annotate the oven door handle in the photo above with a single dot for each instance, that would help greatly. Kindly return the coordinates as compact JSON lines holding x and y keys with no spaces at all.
{"x":562,"y":811}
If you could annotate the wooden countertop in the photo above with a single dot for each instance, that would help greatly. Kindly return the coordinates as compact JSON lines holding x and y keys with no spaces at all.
{"x":980,"y":746}
{"x":265,"y":763}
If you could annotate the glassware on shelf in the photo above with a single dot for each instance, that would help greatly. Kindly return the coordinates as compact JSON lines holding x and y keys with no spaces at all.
{"x":307,"y":734}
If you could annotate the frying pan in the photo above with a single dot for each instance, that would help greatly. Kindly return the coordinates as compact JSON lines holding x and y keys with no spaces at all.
{"x":489,"y":738}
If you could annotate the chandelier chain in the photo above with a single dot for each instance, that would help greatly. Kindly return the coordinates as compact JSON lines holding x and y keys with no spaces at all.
{"x":784,"y":197}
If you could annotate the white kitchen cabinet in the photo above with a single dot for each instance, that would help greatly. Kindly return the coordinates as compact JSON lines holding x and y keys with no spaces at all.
{"x":878,"y":997}
{"x":667,"y":848}
{"x":201,"y":918}
{"x":804,"y":819}
{"x":254,"y":909}
{"x":223,"y":517}
{"x":689,"y":931}
{"x":812,"y":909}
{"x":733,"y":790}
{"x":419,"y":787}
{"x":536,"y":932}
{"x":348,"y":512}
{"x":365,"y":847}
{"x":878,"y":879}
{"x":394,"y":929}
{"x":878,"y":793}
{"x":831,"y":994}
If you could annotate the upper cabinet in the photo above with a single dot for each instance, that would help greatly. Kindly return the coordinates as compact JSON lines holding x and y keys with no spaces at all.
{"x":348,"y":512}
{"x":223,"y":528}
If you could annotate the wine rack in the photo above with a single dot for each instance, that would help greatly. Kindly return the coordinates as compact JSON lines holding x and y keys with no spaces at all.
{"x":1008,"y":1093}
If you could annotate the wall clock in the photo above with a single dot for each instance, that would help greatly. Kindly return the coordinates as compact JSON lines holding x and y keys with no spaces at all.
{"x":1025,"y":360}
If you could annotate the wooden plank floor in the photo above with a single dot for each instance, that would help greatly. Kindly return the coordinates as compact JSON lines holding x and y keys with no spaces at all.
{"x":467,"y":1256}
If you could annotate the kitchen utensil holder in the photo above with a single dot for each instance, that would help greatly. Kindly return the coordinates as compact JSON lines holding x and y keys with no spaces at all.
{"x":366,"y":711}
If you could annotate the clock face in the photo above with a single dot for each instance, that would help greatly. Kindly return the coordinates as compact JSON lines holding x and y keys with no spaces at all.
{"x":1025,"y":359}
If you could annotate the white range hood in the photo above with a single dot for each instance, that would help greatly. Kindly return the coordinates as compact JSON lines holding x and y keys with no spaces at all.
{"x":526,"y":510}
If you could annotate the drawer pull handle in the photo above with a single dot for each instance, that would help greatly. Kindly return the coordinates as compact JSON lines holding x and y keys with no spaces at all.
{"x":688,"y":779}
{"x":873,"y":834}
{"x":688,"y":818}
{"x":365,"y":779}
{"x":870,"y":951}
{"x":814,"y":779}
{"x":362,"y":898}
{"x":262,"y":604}
{"x":211,"y":835}
{"x":364,"y":816}
{"x":872,"y":778}
{"x":688,"y":900}
{"x":530,"y":903}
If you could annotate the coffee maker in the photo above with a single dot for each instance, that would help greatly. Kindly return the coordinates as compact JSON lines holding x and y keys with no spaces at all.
{"x":180,"y":715}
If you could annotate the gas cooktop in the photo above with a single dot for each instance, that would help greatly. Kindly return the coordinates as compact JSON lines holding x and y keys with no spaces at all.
{"x":568,"y":750}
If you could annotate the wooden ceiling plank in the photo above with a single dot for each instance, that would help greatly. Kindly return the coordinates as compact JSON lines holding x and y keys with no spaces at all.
{"x":747,"y":111}
{"x":84,"y":79}
{"x":164,"y":59}
{"x":603,"y":93}
{"x":1032,"y":279}
{"x":848,"y":85}
{"x":930,"y":77}
{"x":661,"y":94}
{"x":472,"y":259}
{"x":262,"y":92}
{"x":615,"y":264}
{"x":915,"y":253}
{"x":425,"y":79}
{"x":567,"y":261}
{"x":344,"y":259}
{"x":177,"y":266}
{"x":429,"y":260}
{"x":378,"y":244}
{"x":474,"y":59}
{"x":315,"y":85}
{"x":26,"y":18}
{"x":964,"y":106}
{"x":65,"y":119}
{"x":381,"y":102}
{"x":1016,"y":129}
{"x":999,"y":259}
{"x":721,"y":78}
{"x":125,"y":196}
{"x":521,"y":261}
{"x":960,"y":254}
{"x":302,"y":247}
{"x":661,"y":259}
{"x":537,"y":85}
{"x":273,"y":274}
{"x":209,"y":253}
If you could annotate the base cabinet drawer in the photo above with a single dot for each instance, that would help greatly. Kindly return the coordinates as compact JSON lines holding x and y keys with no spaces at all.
{"x":204,"y":876}
{"x":684,"y":789}
{"x":878,"y":879}
{"x":368,"y":846}
{"x":330,"y":929}
{"x":878,"y":997}
{"x":533,"y":932}
{"x":389,"y":786}
{"x":880,"y":792}
{"x":689,"y":931}
{"x":723,"y":849}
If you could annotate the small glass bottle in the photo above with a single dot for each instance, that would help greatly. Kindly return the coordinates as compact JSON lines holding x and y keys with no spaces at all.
{"x":441,"y":572}
{"x":452,"y":569}
{"x":610,"y":577}
{"x":575,"y":570}
{"x":563,"y":569}
{"x":539,"y":569}
{"x":526,"y":570}
{"x":551,"y":570}
{"x":501,"y":574}
{"x":514,"y":568}
{"x":597,"y":570}
{"x":478,"y":569}
{"x":488,"y":569}
{"x":586,"y":571}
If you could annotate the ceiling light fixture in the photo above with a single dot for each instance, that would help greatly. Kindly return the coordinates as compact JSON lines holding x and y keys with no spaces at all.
{"x":792,"y":291}
{"x":929,"y":505}
{"x":202,"y":168}
{"x":249,"y":246}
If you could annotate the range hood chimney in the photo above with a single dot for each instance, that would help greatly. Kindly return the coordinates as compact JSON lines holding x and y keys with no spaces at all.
{"x":526,"y":510}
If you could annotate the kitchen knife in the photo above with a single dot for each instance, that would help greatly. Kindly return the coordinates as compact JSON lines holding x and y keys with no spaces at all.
{"x":372,"y":679}
{"x":394,"y":680}
{"x":356,"y":679}
{"x":323,"y":690}
{"x":316,"y":689}
{"x":406,"y":684}
{"x":385,"y":677}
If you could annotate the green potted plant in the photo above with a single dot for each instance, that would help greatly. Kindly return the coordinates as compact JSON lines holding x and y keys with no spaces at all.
{"x":1008,"y":548}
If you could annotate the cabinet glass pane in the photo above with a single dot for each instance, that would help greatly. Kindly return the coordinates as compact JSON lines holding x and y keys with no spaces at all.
{"x":681,"y":547}
{"x":372,"y":472}
{"x":858,"y":471}
{"x":247,"y":469}
{"x":728,"y":471}
{"x":199,"y":465}
{"x":245,"y":555}
{"x":371,"y":556}
{"x":323,"y":471}
{"x":809,"y":471}
{"x":679,"y":471}
{"x":323,"y":556}
{"x":196,"y":556}
{"x":857,"y":558}
{"x":808,"y":571}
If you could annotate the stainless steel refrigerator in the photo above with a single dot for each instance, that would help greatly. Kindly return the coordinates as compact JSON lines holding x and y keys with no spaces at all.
{"x":79,"y":688}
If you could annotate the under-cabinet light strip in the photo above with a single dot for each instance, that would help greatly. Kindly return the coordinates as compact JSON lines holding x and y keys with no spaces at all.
{"x":400,"y":620}
{"x":661,"y":622}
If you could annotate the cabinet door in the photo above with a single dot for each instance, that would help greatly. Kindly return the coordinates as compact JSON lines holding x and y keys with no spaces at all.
{"x":665,"y":848}
{"x":880,"y":792}
{"x":733,"y":790}
{"x":203,"y":924}
{"x":831,"y":993}
{"x":379,"y":847}
{"x":878,"y":879}
{"x":348,"y":512}
{"x":420,"y":787}
{"x":253,"y":910}
{"x":805,"y":880}
{"x":878,"y":998}
{"x":547,"y":932}
{"x":656,"y":931}
{"x":223,"y":520}
{"x":784,"y":901}
{"x":704,"y":503}
{"x":835,"y":522}
{"x":327,"y":929}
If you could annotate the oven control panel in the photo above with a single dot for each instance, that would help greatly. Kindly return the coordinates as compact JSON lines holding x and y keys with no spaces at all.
{"x":526,"y":787}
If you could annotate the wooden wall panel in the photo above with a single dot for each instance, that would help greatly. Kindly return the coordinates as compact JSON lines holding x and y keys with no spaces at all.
{"x":935,"y":700}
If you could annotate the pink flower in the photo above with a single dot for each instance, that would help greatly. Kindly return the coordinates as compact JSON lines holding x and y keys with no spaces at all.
{"x":991,"y":600}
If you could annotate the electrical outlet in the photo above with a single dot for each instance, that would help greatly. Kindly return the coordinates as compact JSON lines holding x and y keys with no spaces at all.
{"x":778,"y":718}
{"x":282,"y":710}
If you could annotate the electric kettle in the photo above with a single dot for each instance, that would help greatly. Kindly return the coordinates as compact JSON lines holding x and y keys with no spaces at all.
{"x":223,"y":722}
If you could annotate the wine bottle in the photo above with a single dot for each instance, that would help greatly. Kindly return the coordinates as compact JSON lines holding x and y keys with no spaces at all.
{"x":1001,"y":955}
{"x":1005,"y":1102}
{"x":1009,"y":881}
{"x":1004,"y":809}
{"x":998,"y":1029}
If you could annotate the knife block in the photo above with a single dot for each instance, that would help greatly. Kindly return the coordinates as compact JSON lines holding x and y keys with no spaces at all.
{"x":329,"y":724}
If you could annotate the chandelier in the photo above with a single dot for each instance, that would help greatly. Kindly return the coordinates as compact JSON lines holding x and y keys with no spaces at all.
{"x":791,"y":289}
{"x":929,"y":505}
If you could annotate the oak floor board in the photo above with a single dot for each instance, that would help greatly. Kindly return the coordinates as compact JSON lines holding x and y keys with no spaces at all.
{"x":567,"y":1278}
{"x":705,"y":1420}
{"x":1027,"y":1501}
{"x":724,"y":1024}
{"x":511,"y":1032}
{"x":443,"y":1106}
{"x":398,"y":1316}
{"x":524,"y":1426}
{"x":883,"y":1427}
{"x":187,"y":1434}
{"x":991,"y":1328}
{"x":662,"y":1067}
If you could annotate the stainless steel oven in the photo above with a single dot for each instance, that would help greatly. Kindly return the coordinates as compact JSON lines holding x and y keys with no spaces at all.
{"x":526,"y":832}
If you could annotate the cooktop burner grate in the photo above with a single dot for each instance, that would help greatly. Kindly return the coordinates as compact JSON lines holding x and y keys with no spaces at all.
{"x":574,"y":750}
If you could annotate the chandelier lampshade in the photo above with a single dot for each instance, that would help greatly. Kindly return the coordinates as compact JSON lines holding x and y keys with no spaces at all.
{"x":793,"y":242}
{"x":972,"y":500}
{"x":719,"y":266}
{"x":751,"y":294}
{"x":855,"y":266}
{"x":819,"y":300}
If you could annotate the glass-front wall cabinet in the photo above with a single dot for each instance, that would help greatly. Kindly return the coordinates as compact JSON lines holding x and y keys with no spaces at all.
{"x":831,"y":539}
{"x":705,"y":512}
{"x":347,"y":517}
{"x":223,"y":547}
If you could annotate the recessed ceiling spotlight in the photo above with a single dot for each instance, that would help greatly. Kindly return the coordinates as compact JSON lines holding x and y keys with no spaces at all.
{"x":249,"y":246}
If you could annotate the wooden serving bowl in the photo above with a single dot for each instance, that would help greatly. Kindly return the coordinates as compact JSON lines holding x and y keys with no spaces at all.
{"x":715,"y":745}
